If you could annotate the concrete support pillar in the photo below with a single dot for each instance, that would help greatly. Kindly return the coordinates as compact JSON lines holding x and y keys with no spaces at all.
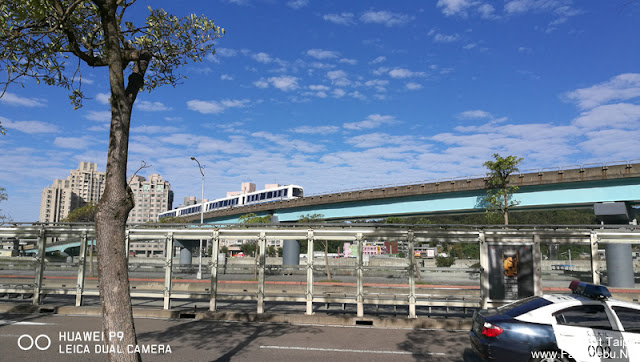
{"x":186,"y":256}
{"x":620,"y":266}
{"x":290,"y":253}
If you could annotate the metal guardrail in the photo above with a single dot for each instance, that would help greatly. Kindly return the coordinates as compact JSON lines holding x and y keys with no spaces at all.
{"x":311,"y":291}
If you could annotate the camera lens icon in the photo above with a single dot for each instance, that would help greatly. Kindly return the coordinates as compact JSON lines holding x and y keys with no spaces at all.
{"x":41,"y":342}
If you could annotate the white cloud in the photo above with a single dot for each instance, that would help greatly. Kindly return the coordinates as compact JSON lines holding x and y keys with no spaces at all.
{"x":341,"y":19}
{"x":76,"y":143}
{"x":338,"y":77}
{"x":155,"y":129}
{"x":29,"y":127}
{"x":339,"y":93}
{"x":385,"y":18}
{"x":610,"y":144}
{"x":379,"y":60}
{"x":226,"y":52}
{"x":262,"y":83}
{"x":474,"y":114}
{"x":523,"y":6}
{"x":287,"y":144}
{"x":297,"y":4}
{"x":372,"y":121}
{"x":284,"y":83}
{"x":348,"y":61}
{"x":379,"y":139}
{"x":487,"y":11}
{"x":215,"y":107}
{"x":379,"y":84}
{"x":404,"y":73}
{"x":99,"y":116}
{"x":151,"y":106}
{"x":443,"y":38}
{"x":103,"y":98}
{"x":316,"y":129}
{"x":18,"y":101}
{"x":262,"y":58}
{"x":621,"y":115}
{"x":619,"y":88}
{"x":322,"y":54}
{"x":455,"y":7}
{"x":226,"y":77}
{"x":413,"y":86}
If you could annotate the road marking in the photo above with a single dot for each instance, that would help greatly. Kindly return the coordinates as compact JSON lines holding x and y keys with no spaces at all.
{"x":313,"y":349}
{"x":16,"y":323}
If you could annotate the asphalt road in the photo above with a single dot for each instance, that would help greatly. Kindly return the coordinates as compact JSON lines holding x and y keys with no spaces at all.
{"x":203,"y":340}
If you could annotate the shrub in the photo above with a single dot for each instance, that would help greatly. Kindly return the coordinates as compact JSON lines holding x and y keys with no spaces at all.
{"x":445,"y":261}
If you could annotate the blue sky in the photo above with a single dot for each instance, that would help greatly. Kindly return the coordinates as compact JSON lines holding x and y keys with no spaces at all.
{"x":333,"y":95}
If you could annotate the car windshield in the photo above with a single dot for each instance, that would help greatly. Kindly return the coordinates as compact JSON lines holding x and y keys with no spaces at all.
{"x":523,"y":306}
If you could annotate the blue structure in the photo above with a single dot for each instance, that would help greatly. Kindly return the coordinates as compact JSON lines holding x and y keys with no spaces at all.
{"x":535,"y":192}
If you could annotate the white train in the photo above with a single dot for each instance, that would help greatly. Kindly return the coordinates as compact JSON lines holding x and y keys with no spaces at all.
{"x":257,"y":197}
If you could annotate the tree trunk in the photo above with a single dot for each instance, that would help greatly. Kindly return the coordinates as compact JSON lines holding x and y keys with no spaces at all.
{"x":506,"y":208}
{"x":326,"y":259}
{"x":115,"y":204}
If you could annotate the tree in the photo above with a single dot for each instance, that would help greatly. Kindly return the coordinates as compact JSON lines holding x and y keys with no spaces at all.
{"x":500,"y":192}
{"x":86,"y":213}
{"x":3,"y":196}
{"x":39,"y":40}
{"x":252,"y":246}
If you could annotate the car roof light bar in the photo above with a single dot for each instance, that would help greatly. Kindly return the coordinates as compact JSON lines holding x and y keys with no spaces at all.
{"x":589,"y":290}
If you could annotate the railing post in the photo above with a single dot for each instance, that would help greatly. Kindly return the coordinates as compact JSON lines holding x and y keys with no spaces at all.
{"x":127,"y":240}
{"x":412,"y":275}
{"x":595,"y":258}
{"x":215,"y":250}
{"x":310,"y":241}
{"x":82,"y":263}
{"x":484,"y":269}
{"x":40,"y":263}
{"x":168,"y":271}
{"x":262,"y":243}
{"x":360,"y":277}
{"x":537,"y":265}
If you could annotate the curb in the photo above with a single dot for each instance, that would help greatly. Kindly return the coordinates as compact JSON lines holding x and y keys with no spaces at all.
{"x":454,"y":323}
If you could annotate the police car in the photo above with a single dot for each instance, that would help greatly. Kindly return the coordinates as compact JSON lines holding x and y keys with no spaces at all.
{"x":584,"y":326}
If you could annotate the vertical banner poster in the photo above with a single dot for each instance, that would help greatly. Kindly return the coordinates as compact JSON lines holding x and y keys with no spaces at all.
{"x":510,"y":271}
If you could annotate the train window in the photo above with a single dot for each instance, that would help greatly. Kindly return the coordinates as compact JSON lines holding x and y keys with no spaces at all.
{"x":269,"y":194}
{"x":297,"y":192}
{"x":262,"y":196}
{"x":285,"y":192}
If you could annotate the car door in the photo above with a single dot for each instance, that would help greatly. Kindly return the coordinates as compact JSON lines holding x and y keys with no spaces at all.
{"x":586,"y":332}
{"x":630,"y":320}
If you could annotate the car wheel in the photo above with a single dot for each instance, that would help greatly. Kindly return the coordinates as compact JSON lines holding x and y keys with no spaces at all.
{"x":550,"y":356}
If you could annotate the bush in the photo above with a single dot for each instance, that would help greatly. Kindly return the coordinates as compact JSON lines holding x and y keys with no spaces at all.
{"x":445,"y":261}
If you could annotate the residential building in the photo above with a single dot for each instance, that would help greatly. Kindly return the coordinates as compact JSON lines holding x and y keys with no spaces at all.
{"x":151,"y":197}
{"x":82,"y":186}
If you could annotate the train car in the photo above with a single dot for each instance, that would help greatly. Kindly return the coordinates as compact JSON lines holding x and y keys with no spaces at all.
{"x":280,"y":193}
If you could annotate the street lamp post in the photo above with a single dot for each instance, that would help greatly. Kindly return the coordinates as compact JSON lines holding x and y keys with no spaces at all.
{"x":199,"y":275}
